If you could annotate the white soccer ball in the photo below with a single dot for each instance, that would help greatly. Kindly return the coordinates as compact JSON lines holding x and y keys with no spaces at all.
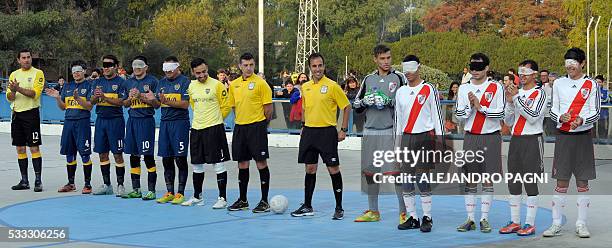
{"x":279,"y":204}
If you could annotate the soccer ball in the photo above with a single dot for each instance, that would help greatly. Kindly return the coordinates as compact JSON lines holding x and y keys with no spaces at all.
{"x":279,"y":204}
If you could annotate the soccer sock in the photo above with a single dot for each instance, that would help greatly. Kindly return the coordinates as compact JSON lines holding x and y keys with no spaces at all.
{"x":337,"y":186}
{"x":135,"y":171}
{"x":470,"y":202}
{"x":558,"y":203}
{"x":583,"y":203}
{"x":169,"y":173}
{"x":532,"y":209}
{"x":426,"y":204}
{"x":183,"y":173}
{"x":37,"y":164}
{"x":152,"y":172}
{"x":373,"y":190}
{"x":222,"y":184}
{"x":71,"y":167}
{"x":485,"y":202}
{"x":243,"y":183}
{"x":515,"y":208}
{"x":87,"y":168}
{"x":410,"y":204}
{"x":198,"y":180}
{"x":22,"y":160}
{"x":264,"y":178}
{"x":120,"y":171}
{"x":400,"y":198}
{"x":310,"y":181}
{"x":105,"y":168}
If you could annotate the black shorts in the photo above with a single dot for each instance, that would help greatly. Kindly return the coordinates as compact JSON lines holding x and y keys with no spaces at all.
{"x":525,"y":154}
{"x":489,"y":146}
{"x":209,"y":145}
{"x":574,"y":155}
{"x":425,"y":142}
{"x":319,"y":141}
{"x":250,"y":141}
{"x":25,"y":128}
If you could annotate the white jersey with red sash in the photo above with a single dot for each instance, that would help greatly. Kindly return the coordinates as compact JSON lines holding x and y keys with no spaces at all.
{"x":578,"y":98}
{"x":526,"y":113}
{"x":492,"y":102}
{"x":417,"y":109}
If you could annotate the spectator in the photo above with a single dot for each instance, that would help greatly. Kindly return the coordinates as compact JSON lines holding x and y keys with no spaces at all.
{"x":351,"y":88}
{"x":543,"y":78}
{"x":508,"y":78}
{"x":286,"y":93}
{"x":60,"y":83}
{"x":602,"y":123}
{"x":95,"y":74}
{"x":295,"y":115}
{"x":549,"y":125}
{"x":552,"y":77}
{"x":222,"y":77}
{"x":465,"y":78}
{"x":451,"y":122}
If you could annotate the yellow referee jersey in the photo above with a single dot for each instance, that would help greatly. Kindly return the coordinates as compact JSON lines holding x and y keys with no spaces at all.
{"x":321,"y":100}
{"x":209,"y":102}
{"x":32,"y":79}
{"x":248,"y":96}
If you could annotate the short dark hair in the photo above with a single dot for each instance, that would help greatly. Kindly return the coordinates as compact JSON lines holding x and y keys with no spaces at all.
{"x":171,"y":59}
{"x":315,"y":55}
{"x":61,"y":77}
{"x":380,"y":49}
{"x":222,"y":70}
{"x":141,"y":57}
{"x":25,"y":50}
{"x":576,"y":54}
{"x":197,"y":62}
{"x":510,"y":76}
{"x":480,"y":56}
{"x":246,"y":56}
{"x":79,"y":63}
{"x":512,"y":70}
{"x":533,"y":64}
{"x":545,"y":71}
{"x":411,"y":57}
{"x":97,"y":70}
{"x":113,"y":57}
{"x":600,"y":77}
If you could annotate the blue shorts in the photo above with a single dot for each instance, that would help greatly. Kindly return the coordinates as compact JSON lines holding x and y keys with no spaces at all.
{"x":76,"y":137}
{"x":173,"y":138}
{"x":140,"y":136}
{"x":109,"y":135}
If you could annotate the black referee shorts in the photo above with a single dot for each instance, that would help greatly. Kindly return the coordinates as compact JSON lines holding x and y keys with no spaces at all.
{"x":319,"y":141}
{"x":250,"y":141}
{"x":25,"y":128}
{"x":209,"y":145}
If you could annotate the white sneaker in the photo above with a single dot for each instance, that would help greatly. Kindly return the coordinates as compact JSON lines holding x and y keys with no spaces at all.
{"x":221,"y":203}
{"x":193,"y":201}
{"x":120,"y":191}
{"x":582,"y":231}
{"x":554,"y":230}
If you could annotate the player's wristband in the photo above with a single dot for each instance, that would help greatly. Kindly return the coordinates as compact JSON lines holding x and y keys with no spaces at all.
{"x":344,"y":129}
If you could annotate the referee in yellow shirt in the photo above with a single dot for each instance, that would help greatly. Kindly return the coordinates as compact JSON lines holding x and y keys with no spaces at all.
{"x":210,"y":104}
{"x":251,"y":98}
{"x":321,"y":97}
{"x":24,"y":90}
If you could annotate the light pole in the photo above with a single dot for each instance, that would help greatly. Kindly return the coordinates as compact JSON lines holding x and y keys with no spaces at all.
{"x":261,"y":35}
{"x":588,"y":45}
{"x":596,"y":38}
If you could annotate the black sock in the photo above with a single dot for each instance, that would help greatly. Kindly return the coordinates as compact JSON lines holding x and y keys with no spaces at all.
{"x":71,"y":168}
{"x":105,"y":168}
{"x":152,"y":172}
{"x":310,"y":181}
{"x":264,"y":177}
{"x":243,"y":183}
{"x":198,"y":182}
{"x":87,"y":168}
{"x":337,"y":185}
{"x":120,"y":172}
{"x":37,"y":164}
{"x":135,"y":171}
{"x":169,"y":173}
{"x":183,"y":173}
{"x":23,"y":168}
{"x":222,"y":184}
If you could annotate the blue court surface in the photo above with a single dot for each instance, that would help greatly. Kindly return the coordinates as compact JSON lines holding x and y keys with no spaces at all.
{"x":112,"y":220}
